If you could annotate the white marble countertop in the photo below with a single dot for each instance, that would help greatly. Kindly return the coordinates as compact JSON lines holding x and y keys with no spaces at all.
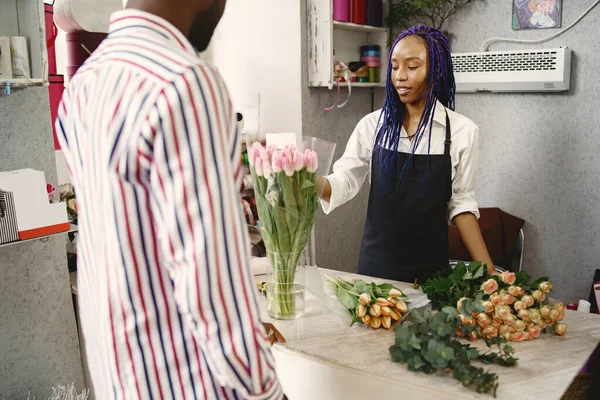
{"x":546,"y":366}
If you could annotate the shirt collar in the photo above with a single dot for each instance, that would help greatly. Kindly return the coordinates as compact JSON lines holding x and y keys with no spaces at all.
{"x":440,"y":113}
{"x":131,"y":19}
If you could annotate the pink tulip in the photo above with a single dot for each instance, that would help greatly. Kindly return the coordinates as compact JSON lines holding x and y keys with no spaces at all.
{"x":258,"y":167}
{"x":253,"y":152}
{"x":267,"y":170}
{"x":289,"y":151}
{"x":264,"y":155}
{"x":287,"y":166}
{"x":310,"y":158}
{"x":277,"y":162}
{"x":271,"y":149}
{"x":298,"y":161}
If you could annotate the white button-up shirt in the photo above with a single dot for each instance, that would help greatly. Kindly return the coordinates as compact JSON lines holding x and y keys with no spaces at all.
{"x":350,"y":171}
{"x":167,"y":301}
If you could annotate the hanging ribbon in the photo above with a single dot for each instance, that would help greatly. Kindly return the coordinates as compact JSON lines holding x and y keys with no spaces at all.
{"x":341,"y":71}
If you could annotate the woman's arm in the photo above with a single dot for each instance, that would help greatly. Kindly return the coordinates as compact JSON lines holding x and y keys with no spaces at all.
{"x":351,"y":170}
{"x":473,"y":239}
{"x":463,"y":208}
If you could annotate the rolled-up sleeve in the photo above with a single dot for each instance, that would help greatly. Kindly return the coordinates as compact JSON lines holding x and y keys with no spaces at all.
{"x":463,"y":182}
{"x":351,"y":170}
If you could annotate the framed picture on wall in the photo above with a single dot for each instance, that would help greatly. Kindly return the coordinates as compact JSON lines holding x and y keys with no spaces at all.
{"x":536,"y":14}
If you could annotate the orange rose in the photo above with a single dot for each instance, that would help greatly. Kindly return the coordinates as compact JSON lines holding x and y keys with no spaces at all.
{"x":466,"y":321}
{"x":507,"y":299}
{"x":545,"y":311}
{"x":524,"y":315}
{"x":489,"y":286}
{"x":490,"y":332}
{"x":542,"y":325}
{"x":538,"y":295}
{"x":495,"y":299}
{"x":506,"y":329}
{"x":510,"y":320}
{"x":515,"y":291}
{"x":535,"y":315}
{"x":483,"y":320}
{"x":519,"y":336}
{"x":489,"y":307}
{"x":519,"y":305}
{"x":519,"y":325}
{"x":503,"y":312}
{"x":545,"y":287}
{"x":508,"y":277}
{"x":534,"y":331}
{"x":560,"y":329}
{"x":528,"y":300}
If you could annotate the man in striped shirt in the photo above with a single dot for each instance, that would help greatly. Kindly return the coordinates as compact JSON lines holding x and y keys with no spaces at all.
{"x":167,"y":303}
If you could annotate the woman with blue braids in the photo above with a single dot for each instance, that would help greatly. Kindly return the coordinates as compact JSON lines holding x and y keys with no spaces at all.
{"x":422,"y":158}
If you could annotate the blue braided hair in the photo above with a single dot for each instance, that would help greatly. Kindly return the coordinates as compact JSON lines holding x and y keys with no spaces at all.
{"x":441,"y":87}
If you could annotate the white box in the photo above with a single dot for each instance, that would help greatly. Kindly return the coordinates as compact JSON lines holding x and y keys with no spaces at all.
{"x":5,"y":59}
{"x":35,"y":215}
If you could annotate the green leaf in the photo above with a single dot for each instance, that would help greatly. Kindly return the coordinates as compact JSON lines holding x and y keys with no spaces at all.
{"x":522,"y":278}
{"x":474,"y":266}
{"x":451,"y":312}
{"x":361,"y":287}
{"x":307,"y":184}
{"x":347,"y":300}
{"x":402,"y":334}
{"x":355,"y":319}
{"x":478,"y":273}
{"x":442,"y":285}
{"x":472,"y":353}
{"x":416,"y":362}
{"x":399,"y":355}
{"x":415,"y":342}
{"x":459,"y":271}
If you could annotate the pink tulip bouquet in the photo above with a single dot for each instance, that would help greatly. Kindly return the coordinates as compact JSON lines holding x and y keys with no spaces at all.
{"x":287,"y":201}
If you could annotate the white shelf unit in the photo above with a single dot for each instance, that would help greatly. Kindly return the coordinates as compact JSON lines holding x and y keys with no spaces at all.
{"x":326,"y":37}
{"x":26,"y":18}
{"x":73,"y":228}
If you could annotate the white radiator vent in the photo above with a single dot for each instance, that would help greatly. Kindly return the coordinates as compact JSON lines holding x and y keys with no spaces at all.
{"x":513,"y":71}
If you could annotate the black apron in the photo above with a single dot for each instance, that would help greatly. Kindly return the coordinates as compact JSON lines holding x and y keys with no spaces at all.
{"x":406,"y":231}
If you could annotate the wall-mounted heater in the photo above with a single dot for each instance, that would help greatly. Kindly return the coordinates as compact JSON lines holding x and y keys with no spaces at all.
{"x":544,"y":70}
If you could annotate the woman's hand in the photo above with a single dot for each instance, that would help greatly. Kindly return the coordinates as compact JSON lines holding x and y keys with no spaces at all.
{"x":273,"y":335}
{"x":323,"y":188}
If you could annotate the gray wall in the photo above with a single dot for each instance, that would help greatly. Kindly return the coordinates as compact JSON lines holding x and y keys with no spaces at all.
{"x":538,"y":152}
{"x":38,"y":336}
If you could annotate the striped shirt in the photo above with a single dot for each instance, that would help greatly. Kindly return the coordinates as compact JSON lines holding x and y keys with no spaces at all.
{"x":167,"y":302}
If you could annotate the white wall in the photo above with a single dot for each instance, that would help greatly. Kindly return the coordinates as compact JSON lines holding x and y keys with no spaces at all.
{"x":256,"y":48}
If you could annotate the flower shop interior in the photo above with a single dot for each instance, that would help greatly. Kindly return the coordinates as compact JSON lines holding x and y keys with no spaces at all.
{"x":298,"y":69}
